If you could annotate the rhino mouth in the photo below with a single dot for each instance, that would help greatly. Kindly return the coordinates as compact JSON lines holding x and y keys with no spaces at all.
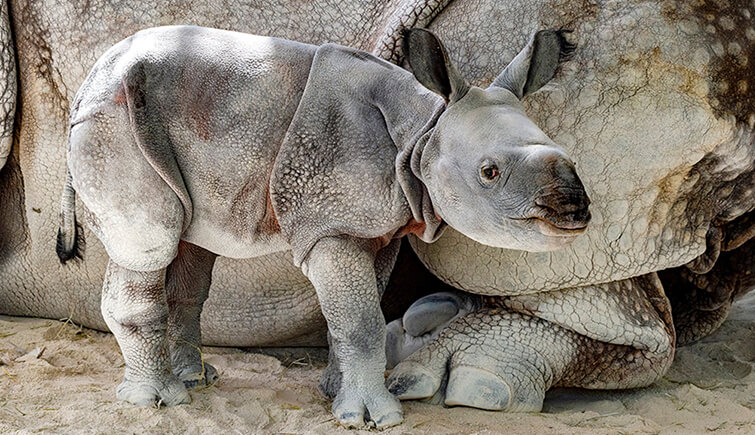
{"x":550,"y":226}
{"x":563,"y":227}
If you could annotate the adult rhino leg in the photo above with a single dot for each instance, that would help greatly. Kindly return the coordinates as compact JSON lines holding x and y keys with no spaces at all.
{"x":409,"y":14}
{"x":330,"y":380}
{"x":424,"y":320}
{"x":135,"y":309}
{"x":701,"y":301}
{"x":506,"y":355}
{"x":187,"y":287}
{"x":490,"y":359}
{"x":8,"y":88}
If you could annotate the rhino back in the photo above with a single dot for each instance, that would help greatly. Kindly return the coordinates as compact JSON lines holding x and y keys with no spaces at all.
{"x":661,"y":154}
{"x":209,"y":109}
{"x":57,"y":45}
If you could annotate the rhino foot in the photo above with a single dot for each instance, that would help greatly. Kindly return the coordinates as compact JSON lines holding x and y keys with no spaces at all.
{"x":377,"y":408}
{"x":134,"y":308}
{"x":423,"y":322}
{"x":508,"y":353}
{"x":167,"y":392}
{"x":197,"y":375}
{"x":488,"y":359}
{"x":330,"y":380}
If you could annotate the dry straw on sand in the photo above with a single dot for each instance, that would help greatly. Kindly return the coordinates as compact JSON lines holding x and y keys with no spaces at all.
{"x":58,"y":377}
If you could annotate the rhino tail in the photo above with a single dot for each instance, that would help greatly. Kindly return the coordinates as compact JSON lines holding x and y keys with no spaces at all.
{"x":70,"y":243}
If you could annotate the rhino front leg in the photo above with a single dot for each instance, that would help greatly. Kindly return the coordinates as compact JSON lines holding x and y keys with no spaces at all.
{"x":342,"y":271}
{"x":489,"y":359}
{"x":187,"y":287}
{"x":617,"y":335}
{"x":135,"y":309}
{"x":330,"y":381}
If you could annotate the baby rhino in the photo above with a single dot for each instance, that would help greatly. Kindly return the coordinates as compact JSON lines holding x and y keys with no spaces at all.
{"x":187,"y":143}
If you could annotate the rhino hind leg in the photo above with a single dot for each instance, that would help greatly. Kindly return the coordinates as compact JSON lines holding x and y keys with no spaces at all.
{"x":507,"y":354}
{"x":701,"y":301}
{"x":187,"y":286}
{"x":135,"y":309}
{"x":138,"y":218}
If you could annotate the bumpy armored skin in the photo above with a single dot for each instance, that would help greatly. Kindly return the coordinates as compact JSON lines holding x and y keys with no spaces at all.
{"x":188,"y":281}
{"x":130,"y":119}
{"x":658,"y":117}
{"x":53,"y":64}
{"x":508,"y":353}
{"x":8,"y":90}
{"x":701,"y":301}
{"x":242,"y":146}
{"x":646,"y":217}
{"x":135,"y":309}
{"x":336,"y":265}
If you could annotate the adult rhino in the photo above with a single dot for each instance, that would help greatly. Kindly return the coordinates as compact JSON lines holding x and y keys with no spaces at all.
{"x":190,"y":142}
{"x":656,"y":109}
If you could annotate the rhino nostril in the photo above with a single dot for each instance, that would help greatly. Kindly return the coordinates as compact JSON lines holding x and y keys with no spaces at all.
{"x":566,"y":208}
{"x":563,"y":207}
{"x":564,"y":201}
{"x":583,"y":216}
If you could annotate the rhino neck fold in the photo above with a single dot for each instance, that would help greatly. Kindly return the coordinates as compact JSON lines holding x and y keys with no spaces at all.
{"x":410,"y":179}
{"x":410,"y":112}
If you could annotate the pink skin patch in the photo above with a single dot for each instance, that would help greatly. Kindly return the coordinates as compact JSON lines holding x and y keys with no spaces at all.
{"x":411,"y":227}
{"x":120,"y":95}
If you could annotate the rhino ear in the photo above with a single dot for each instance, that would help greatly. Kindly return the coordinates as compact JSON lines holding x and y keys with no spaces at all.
{"x":536,"y":64}
{"x":431,"y":65}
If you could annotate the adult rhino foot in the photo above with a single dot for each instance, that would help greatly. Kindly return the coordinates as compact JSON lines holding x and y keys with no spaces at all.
{"x":167,"y":392}
{"x":507,"y":354}
{"x":197,"y":375}
{"x":423,"y":322}
{"x":376,"y":407}
{"x":489,"y":359}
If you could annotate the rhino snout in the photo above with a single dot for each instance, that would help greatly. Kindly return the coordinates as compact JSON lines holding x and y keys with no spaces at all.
{"x":565,"y":208}
{"x":562,"y":201}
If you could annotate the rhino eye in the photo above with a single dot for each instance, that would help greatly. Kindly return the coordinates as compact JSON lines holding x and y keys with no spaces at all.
{"x":489,"y":172}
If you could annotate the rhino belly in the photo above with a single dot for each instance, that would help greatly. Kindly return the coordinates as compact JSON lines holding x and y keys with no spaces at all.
{"x":228,"y":242}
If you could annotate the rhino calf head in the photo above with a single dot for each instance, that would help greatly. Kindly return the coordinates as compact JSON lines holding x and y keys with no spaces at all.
{"x":491,"y":173}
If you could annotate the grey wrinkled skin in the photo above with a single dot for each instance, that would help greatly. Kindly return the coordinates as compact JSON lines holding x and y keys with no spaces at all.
{"x":627,"y":93}
{"x":242,"y":146}
{"x":655,"y":108}
{"x":524,"y":345}
{"x":57,"y":45}
{"x":8,"y":90}
{"x":670,"y":174}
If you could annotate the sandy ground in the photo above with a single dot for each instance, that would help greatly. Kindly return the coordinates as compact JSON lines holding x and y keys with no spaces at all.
{"x":70,"y":387}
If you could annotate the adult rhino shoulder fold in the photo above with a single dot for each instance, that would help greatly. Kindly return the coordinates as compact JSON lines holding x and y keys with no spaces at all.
{"x":244,"y":146}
